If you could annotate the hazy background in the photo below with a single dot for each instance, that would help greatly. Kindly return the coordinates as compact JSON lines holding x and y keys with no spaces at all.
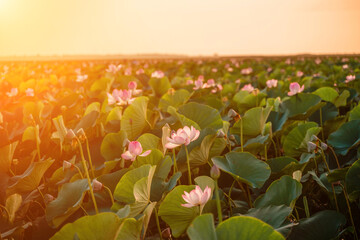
{"x":225,"y":27}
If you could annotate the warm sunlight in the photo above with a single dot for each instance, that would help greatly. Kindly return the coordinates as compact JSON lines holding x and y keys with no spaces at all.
{"x":182,"y":27}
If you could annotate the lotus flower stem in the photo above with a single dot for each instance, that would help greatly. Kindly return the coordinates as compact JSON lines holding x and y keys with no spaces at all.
{"x":245,"y":193}
{"x":241,"y":135}
{"x":157,"y":222}
{"x":275,"y":147}
{"x":41,"y":194}
{"x":336,"y":203}
{"x":174,"y":159}
{"x":89,"y":156}
{"x":7,"y":211}
{"x":324,"y":159}
{"x":230,"y":190}
{"x":265,"y":152}
{"x":349,"y":208}
{"x":37,"y":137}
{"x":87,"y":175}
{"x":82,"y":208}
{"x":79,"y":171}
{"x":321,"y":125}
{"x":297,"y":214}
{"x":333,"y":152}
{"x":110,"y":194}
{"x":188,"y":165}
{"x":306,"y":206}
{"x":218,"y":205}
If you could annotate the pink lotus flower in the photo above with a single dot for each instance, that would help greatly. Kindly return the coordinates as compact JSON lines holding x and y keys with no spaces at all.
{"x":182,"y":136}
{"x":196,"y":197}
{"x":13,"y":92}
{"x":288,"y":61}
{"x":77,"y":71}
{"x":132,"y":87}
{"x":189,"y":82}
{"x":345,"y":66}
{"x":140,"y":71}
{"x":134,"y":150}
{"x":247,"y":87}
{"x":230,"y":69}
{"x":157,"y":74}
{"x":350,"y":78}
{"x":81,"y":78}
{"x":295,"y":88}
{"x":214,"y":70}
{"x":29,"y":92}
{"x":120,"y":97}
{"x":271,"y":83}
{"x":246,"y":71}
{"x":299,"y":73}
{"x":269,"y":69}
{"x":317,"y":61}
{"x":113,"y":68}
{"x":128,"y":71}
{"x":198,"y":84}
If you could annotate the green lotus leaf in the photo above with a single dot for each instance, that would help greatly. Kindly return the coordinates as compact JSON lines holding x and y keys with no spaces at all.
{"x":174,"y":99}
{"x":175,"y":215}
{"x":283,"y":191}
{"x":13,"y":203}
{"x":202,"y":228}
{"x":124,"y":191}
{"x":244,"y":167}
{"x":30,"y":179}
{"x":67,"y":202}
{"x":92,"y":227}
{"x":279,"y":163}
{"x":352,"y":180}
{"x":196,"y":112}
{"x":253,"y":122}
{"x":346,"y":137}
{"x":149,"y":141}
{"x":295,"y":143}
{"x":327,"y":94}
{"x":6,"y":156}
{"x":159,"y":85}
{"x":272,"y":215}
{"x":355,"y":113}
{"x":244,"y":227}
{"x":112,"y":145}
{"x":134,"y":119}
{"x":322,"y":225}
{"x":301,"y":104}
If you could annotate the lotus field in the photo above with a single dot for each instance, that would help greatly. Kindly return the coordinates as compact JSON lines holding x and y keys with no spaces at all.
{"x":212,"y":148}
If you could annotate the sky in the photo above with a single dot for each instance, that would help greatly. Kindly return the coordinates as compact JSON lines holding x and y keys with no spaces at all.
{"x":192,"y":27}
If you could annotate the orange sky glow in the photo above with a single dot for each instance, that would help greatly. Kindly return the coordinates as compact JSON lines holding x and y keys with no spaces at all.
{"x":193,"y":27}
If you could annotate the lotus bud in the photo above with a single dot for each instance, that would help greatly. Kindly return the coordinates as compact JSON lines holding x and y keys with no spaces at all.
{"x":215,"y":172}
{"x":313,"y":138}
{"x":297,"y":175}
{"x":232,"y":137}
{"x":220,"y":133}
{"x":232,"y":113}
{"x":48,"y":198}
{"x":311,"y":146}
{"x":97,"y":186}
{"x":63,"y":108}
{"x":70,"y":134}
{"x":81,"y":134}
{"x":166,"y":233}
{"x":15,"y":161}
{"x":1,"y":118}
{"x":324,"y":146}
{"x":66,"y":165}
